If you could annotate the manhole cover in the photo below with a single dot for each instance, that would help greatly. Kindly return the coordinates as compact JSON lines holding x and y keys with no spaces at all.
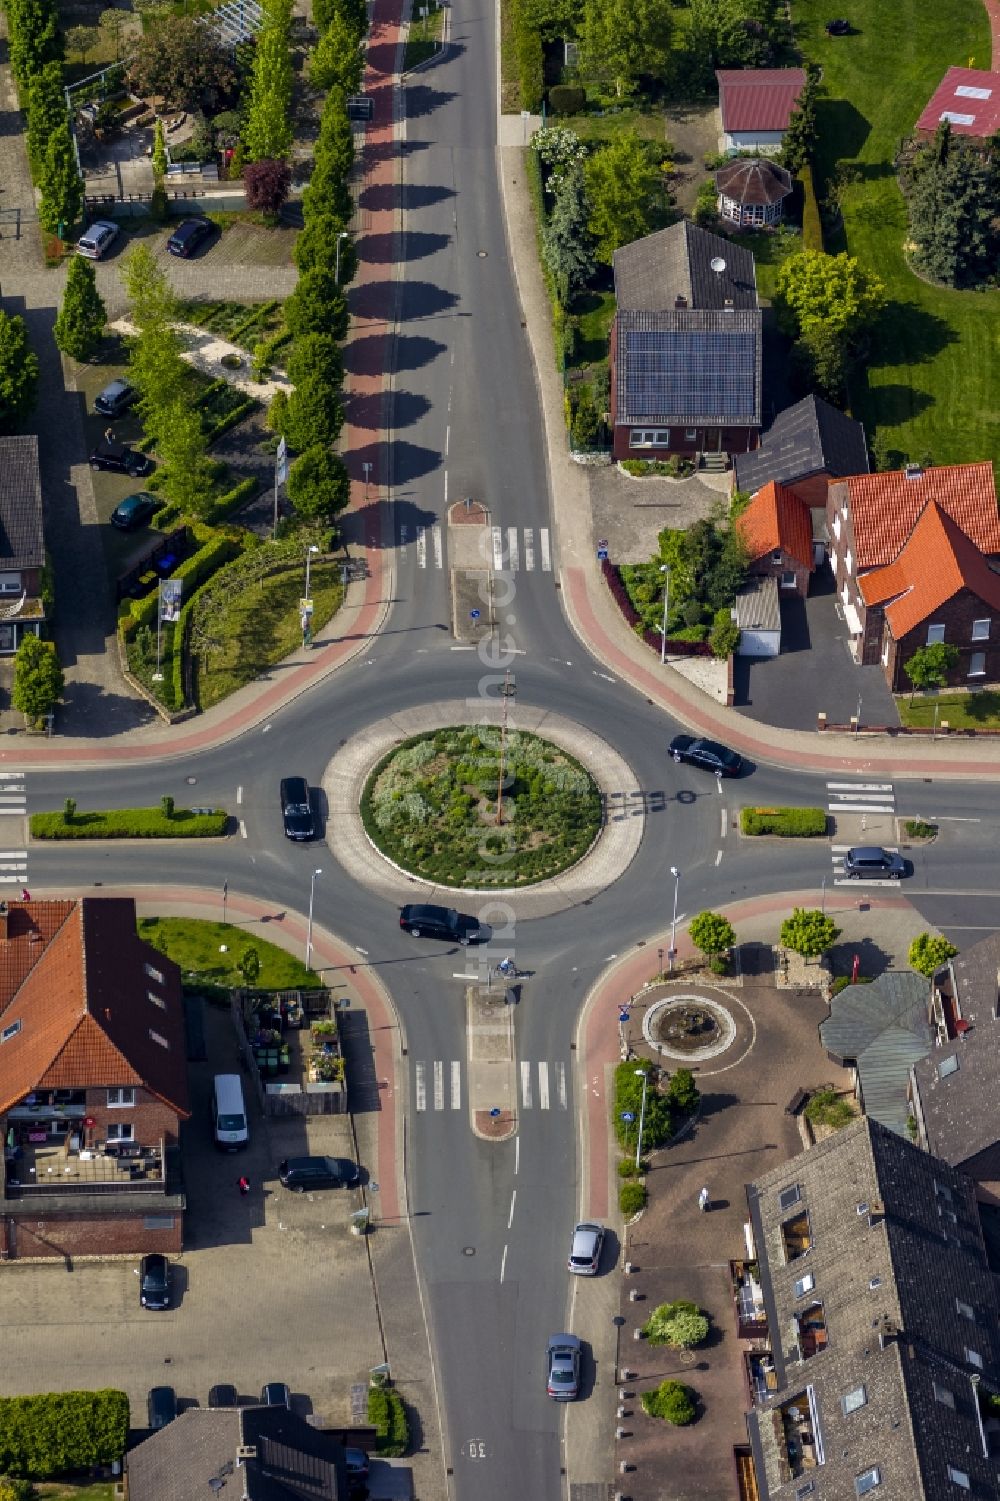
{"x":190,"y":781}
{"x":482,"y":254}
{"x":468,"y":1250}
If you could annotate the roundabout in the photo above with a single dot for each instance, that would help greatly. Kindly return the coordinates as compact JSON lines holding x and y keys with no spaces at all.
{"x":691,"y":1028}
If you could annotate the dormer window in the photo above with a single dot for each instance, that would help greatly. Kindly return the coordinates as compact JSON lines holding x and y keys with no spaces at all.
{"x":157,"y":1000}
{"x":153,"y":974}
{"x":157,"y":1038}
{"x":11,"y":1030}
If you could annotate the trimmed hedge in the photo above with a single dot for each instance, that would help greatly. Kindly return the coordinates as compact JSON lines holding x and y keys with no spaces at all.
{"x":680,"y":645}
{"x":812,"y":224}
{"x":56,"y":1432}
{"x":387,"y":1414}
{"x":130,"y":823}
{"x":790,"y":823}
{"x":631,"y":1198}
{"x":216,"y":548}
{"x":233,"y":500}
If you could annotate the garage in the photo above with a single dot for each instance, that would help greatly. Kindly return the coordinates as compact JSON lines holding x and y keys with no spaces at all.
{"x":759,"y":618}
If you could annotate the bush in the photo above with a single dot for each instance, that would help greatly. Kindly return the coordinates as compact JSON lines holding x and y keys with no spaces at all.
{"x":680,"y":1324}
{"x":842,"y":982}
{"x":59,"y":1431}
{"x":928,"y":952}
{"x":387,"y":1414}
{"x":16,"y":1490}
{"x":631,"y":1198}
{"x":628,"y":1169}
{"x":828,"y":1108}
{"x":567,"y":99}
{"x":628,"y":1098}
{"x":790,"y":823}
{"x":724,"y":638}
{"x":672,"y":1401}
{"x":130,"y":823}
{"x":812,"y":225}
{"x":917,"y":829}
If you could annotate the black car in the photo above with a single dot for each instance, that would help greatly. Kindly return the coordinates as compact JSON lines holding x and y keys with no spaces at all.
{"x":120,"y":458}
{"x":276,"y":1394}
{"x":872,"y":863}
{"x":154,"y":1281}
{"x":706,"y":753}
{"x":223,"y":1395}
{"x":188,"y":236}
{"x":441,"y":922}
{"x":300,"y":1173}
{"x":114,"y":398}
{"x":161,"y":1406}
{"x":134,"y":511}
{"x":838,"y":28}
{"x":296,"y":812}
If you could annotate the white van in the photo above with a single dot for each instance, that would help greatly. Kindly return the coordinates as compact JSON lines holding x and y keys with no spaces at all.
{"x":229,"y":1113}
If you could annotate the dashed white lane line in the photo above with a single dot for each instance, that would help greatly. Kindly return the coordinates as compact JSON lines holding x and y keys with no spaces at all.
{"x":456,"y":1085}
{"x":546,"y":554}
{"x":438,"y":1085}
{"x":526,"y":1085}
{"x":438,"y":548}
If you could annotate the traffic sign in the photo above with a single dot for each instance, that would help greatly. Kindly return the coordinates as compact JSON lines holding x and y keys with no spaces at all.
{"x":623,"y":1015}
{"x":602,"y":553}
{"x":473,"y":614}
{"x":306,"y":606}
{"x":494,"y":1114}
{"x":628,"y":1116}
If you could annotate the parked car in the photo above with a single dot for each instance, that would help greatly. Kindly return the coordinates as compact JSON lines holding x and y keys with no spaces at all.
{"x":154,"y":1281}
{"x":161,"y":1406}
{"x":134,"y":511}
{"x":296,"y":810}
{"x":870,"y":862}
{"x":276,"y":1394}
{"x":97,"y":238}
{"x":838,"y":28}
{"x":116,"y":396}
{"x":564,"y":1367}
{"x":300,"y":1173}
{"x":585,"y":1250}
{"x":120,"y":458}
{"x":357,"y":1464}
{"x":441,"y":922}
{"x":188,"y":236}
{"x":706,"y":753}
{"x":223,"y":1395}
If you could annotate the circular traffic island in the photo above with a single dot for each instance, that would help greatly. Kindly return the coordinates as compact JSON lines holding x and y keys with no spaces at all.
{"x":472,"y":807}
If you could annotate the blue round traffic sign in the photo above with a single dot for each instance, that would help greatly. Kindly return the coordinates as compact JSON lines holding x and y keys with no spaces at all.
{"x":473,"y":614}
{"x":494,"y":1114}
{"x":628,"y":1116}
{"x":623,"y":1015}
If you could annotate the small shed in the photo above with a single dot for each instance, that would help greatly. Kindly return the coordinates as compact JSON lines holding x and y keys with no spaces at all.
{"x":758,"y":616}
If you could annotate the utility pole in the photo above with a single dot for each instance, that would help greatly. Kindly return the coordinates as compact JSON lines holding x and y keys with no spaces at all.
{"x":508,"y":693}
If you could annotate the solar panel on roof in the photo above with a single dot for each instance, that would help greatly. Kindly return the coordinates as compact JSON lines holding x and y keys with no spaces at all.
{"x":690,"y":373}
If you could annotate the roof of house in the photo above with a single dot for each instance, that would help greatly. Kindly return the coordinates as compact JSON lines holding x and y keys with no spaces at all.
{"x":753,"y":181}
{"x":756,"y":606}
{"x":959,"y":1108}
{"x":883,"y":1028}
{"x":811,"y":437}
{"x":95,"y":1005}
{"x":673,"y":268}
{"x":967,"y":97}
{"x":292,"y":1460}
{"x":689,"y":368}
{"x":937,"y":562}
{"x":21,"y":540}
{"x":896,"y":1255}
{"x":775,"y":518}
{"x":758,"y":98}
{"x":884,"y":507}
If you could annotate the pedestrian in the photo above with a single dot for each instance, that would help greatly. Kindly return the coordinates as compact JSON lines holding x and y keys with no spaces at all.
{"x":109,"y":435}
{"x":25,"y":894}
{"x":703,"y":1200}
{"x":505,"y":968}
{"x":244,"y":1186}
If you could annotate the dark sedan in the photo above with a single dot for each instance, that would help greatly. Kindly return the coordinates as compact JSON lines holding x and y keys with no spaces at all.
{"x":120,"y":458}
{"x":188,"y":236}
{"x":161,"y":1406}
{"x":302,"y":1173}
{"x":223,"y":1395}
{"x":154,"y":1281}
{"x":441,"y":922}
{"x":134,"y":511}
{"x":115,"y":397}
{"x":706,"y":753}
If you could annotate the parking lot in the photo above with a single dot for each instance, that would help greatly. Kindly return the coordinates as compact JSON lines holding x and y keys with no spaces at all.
{"x":272,"y":1287}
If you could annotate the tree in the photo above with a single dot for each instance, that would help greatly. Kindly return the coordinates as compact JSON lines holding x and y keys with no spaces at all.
{"x":316,"y":248}
{"x":79,"y":325}
{"x":819,"y":362}
{"x":268,"y":130}
{"x":953,"y":197}
{"x":113,"y":22}
{"x":808,"y":932}
{"x":680,"y":1324}
{"x":46,"y":111}
{"x":567,"y":244}
{"x":928,"y":952}
{"x":18,"y":371}
{"x":682,"y":1092}
{"x":672,"y":1401}
{"x":316,"y":356}
{"x":59,"y":181}
{"x":152,"y":301}
{"x":620,"y":182}
{"x":628,"y":1101}
{"x":181,"y":59}
{"x":318,"y":484}
{"x":799,"y":139}
{"x":711,"y":933}
{"x":159,"y":157}
{"x":625,"y":39}
{"x":38,"y":679}
{"x":728,"y":34}
{"x":324,"y":11}
{"x":82,"y":40}
{"x":267,"y":183}
{"x":187,"y":472}
{"x":833,"y":292}
{"x":317,"y":306}
{"x":327,"y":191}
{"x":249,"y":966}
{"x":315,"y":415}
{"x":338,"y":60}
{"x":725,"y":637}
{"x":930,"y":665}
{"x":34,"y":37}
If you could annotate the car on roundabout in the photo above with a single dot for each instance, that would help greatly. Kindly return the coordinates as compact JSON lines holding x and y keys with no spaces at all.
{"x":708,"y":754}
{"x":423,"y":920}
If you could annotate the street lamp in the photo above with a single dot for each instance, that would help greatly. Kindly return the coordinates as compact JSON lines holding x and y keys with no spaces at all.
{"x":309,"y":552}
{"x":342,"y":236}
{"x":673,"y":926}
{"x":665,"y":570}
{"x":309,"y":925}
{"x":367,"y":468}
{"x":643,"y":1074}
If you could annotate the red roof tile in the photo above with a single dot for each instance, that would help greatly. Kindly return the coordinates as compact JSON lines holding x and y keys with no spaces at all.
{"x":777,"y":518}
{"x":885,"y":507}
{"x":937,"y":562}
{"x":758,"y":98}
{"x":947,"y":101}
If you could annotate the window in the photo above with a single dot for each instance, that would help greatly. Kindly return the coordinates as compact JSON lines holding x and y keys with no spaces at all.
{"x":853,"y":1399}
{"x":867,"y":1481}
{"x":944,"y":1395}
{"x":977,"y":664}
{"x":942,"y":1191}
{"x":875,"y":1282}
{"x":833,"y":561}
{"x":776,"y":555}
{"x":805,"y":1285}
{"x":122,"y":1097}
{"x":959,"y":1477}
{"x":788,"y":579}
{"x":154,"y":974}
{"x":157,"y":1000}
{"x":848,"y":561}
{"x":789,"y":1196}
{"x":120,"y":1131}
{"x":690,"y":435}
{"x":805,"y":1490}
{"x":980,"y":630}
{"x":935,"y":633}
{"x":649,"y":437}
{"x":10,"y":583}
{"x":10,"y":1031}
{"x":948,"y":1066}
{"x":157,"y":1222}
{"x":974,"y":1358}
{"x":861,"y":1209}
{"x":156,"y":1037}
{"x":965,"y":1309}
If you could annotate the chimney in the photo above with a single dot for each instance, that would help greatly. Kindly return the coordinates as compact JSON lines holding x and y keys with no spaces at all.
{"x":728,"y":304}
{"x":680,"y":301}
{"x":245,"y":1452}
{"x":913,"y":471}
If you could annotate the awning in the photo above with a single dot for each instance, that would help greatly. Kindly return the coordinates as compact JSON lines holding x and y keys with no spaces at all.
{"x":853,"y":619}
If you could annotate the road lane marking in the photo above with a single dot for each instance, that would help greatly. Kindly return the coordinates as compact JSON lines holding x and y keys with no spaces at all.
{"x":529,"y":548}
{"x":725,"y":821}
{"x":497,"y":536}
{"x":513,"y":1201}
{"x":526,"y":1086}
{"x":543,"y":537}
{"x":859,"y":786}
{"x":438,"y":1085}
{"x":718,"y":857}
{"x":512,"y":559}
{"x":421,"y":1086}
{"x":421,"y":547}
{"x":517,"y":1154}
{"x":561,"y":1084}
{"x":456,"y":1085}
{"x":243,"y":828}
{"x":438,"y":548}
{"x":239,"y":796}
{"x":503,"y":1263}
{"x":543,"y":1086}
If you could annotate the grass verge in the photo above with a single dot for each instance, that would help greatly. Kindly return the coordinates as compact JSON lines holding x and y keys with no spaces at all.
{"x":424,"y":37}
{"x":963,"y":711}
{"x":95,"y":1490}
{"x":197,"y":947}
{"x":130,"y":823}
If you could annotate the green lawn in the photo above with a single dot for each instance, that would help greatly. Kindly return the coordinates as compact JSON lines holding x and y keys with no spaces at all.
{"x":595,"y":311}
{"x":592,"y":126}
{"x":963,"y":711}
{"x":933,"y":382}
{"x":424,"y":35}
{"x":98,"y":1490}
{"x":769,"y":250}
{"x":195,"y":945}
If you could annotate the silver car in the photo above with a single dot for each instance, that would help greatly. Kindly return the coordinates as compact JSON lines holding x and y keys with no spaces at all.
{"x":585,"y":1252}
{"x":564,"y":1367}
{"x":97,"y":238}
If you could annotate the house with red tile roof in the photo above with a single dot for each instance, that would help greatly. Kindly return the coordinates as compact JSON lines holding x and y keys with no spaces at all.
{"x":869,"y":520}
{"x":93,"y":1082}
{"x":940,"y":588}
{"x":756,"y":105}
{"x":776,"y":528}
{"x":969,"y":99}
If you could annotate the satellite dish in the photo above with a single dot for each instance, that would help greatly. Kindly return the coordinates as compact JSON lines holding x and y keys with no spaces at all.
{"x":718,"y":265}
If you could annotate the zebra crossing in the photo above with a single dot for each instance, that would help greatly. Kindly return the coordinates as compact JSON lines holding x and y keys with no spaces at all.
{"x":867,"y":799}
{"x":507,"y":553}
{"x":438,"y":1085}
{"x":13,"y":804}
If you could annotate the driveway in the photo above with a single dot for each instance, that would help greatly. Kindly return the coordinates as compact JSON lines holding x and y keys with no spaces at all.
{"x":815,"y":672}
{"x":630,"y":513}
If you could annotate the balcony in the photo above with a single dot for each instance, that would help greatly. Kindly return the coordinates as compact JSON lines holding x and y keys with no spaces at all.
{"x":40,"y":1168}
{"x":796,"y":1236}
{"x":761,"y":1377}
{"x":748,"y":1301}
{"x":813,"y":1336}
{"x":798,"y":1438}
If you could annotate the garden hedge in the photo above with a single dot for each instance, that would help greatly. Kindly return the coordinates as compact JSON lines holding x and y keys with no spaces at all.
{"x":56,"y":1432}
{"x":387,"y":1414}
{"x":130,"y":823}
{"x":790,"y":823}
{"x":631,"y":1198}
{"x":812,"y":224}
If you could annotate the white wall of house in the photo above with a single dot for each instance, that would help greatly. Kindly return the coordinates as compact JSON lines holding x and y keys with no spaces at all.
{"x":751,"y":140}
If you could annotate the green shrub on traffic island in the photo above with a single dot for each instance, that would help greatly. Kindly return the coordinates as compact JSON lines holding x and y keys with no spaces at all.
{"x":130,"y":823}
{"x":672,"y":1401}
{"x":789,"y":823}
{"x":680,"y":1324}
